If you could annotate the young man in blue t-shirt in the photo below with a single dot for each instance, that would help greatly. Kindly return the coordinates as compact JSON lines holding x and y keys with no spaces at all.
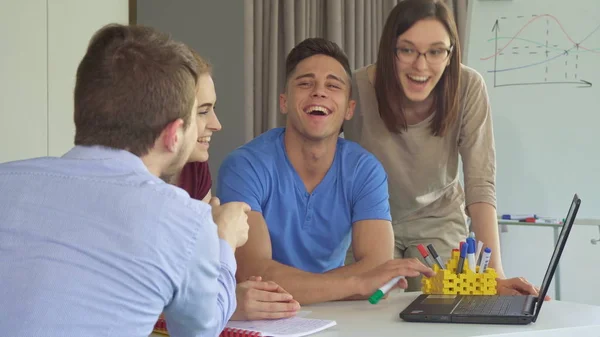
{"x":312,"y":193}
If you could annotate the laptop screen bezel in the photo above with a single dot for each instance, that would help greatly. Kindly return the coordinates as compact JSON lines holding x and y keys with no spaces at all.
{"x":560,"y":245}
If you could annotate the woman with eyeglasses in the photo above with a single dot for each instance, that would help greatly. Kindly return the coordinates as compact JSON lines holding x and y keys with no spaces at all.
{"x":419,"y":110}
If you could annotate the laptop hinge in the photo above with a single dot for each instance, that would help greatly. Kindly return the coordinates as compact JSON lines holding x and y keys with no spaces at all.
{"x":529,"y":306}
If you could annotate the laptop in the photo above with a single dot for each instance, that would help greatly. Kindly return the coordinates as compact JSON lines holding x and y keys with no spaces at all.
{"x":495,"y":309}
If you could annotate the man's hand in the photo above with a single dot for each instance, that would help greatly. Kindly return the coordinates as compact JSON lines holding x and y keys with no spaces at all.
{"x":517,"y":286}
{"x":257,"y":299}
{"x":380,"y":275}
{"x":232,"y":221}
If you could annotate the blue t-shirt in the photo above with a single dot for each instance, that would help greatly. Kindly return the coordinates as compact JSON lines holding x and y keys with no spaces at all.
{"x":309,"y":231}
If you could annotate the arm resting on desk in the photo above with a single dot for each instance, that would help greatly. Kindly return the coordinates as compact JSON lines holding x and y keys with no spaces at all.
{"x":255,"y":258}
{"x":372,"y":245}
{"x":206,"y":299}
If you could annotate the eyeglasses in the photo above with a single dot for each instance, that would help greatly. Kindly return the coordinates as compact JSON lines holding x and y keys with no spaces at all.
{"x":432,"y":56}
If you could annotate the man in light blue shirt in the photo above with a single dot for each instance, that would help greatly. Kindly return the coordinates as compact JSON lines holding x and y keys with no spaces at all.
{"x":94,"y":243}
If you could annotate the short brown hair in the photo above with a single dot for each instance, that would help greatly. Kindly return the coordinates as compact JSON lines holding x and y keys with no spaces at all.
{"x":390,"y":95}
{"x":315,"y":46}
{"x":132,"y":82}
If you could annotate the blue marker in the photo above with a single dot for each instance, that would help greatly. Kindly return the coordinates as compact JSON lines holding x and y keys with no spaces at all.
{"x":485,"y":260}
{"x":461,"y":260}
{"x":518,"y":216}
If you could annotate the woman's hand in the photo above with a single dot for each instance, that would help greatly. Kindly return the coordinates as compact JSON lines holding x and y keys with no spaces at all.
{"x":517,"y":286}
{"x":257,"y":299}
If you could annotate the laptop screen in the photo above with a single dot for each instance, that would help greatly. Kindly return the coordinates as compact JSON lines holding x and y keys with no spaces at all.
{"x":560,"y":245}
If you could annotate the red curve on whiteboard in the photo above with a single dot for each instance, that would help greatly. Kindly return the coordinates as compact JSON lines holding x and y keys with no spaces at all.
{"x":527,"y":24}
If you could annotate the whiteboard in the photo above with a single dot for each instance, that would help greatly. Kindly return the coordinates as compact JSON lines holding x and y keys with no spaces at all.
{"x":541,"y":64}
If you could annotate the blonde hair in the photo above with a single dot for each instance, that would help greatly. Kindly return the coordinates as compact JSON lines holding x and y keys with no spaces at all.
{"x":202,"y":65}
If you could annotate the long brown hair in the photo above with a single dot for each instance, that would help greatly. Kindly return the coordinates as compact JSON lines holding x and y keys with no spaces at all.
{"x":388,"y":89}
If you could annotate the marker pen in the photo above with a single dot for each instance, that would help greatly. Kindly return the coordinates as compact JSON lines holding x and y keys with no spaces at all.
{"x":471,"y":253}
{"x":550,"y":221}
{"x":517,"y":216}
{"x":377,"y":295}
{"x":425,"y":254}
{"x":485,"y":260}
{"x":478,"y":251}
{"x":435,"y":255}
{"x":461,"y":260}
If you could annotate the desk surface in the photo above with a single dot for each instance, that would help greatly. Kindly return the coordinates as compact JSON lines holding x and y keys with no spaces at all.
{"x":361,"y":319}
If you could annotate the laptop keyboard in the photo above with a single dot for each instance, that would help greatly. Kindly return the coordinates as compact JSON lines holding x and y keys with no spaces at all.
{"x":490,"y":305}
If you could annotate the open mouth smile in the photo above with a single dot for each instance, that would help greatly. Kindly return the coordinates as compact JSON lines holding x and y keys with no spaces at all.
{"x":317,"y":110}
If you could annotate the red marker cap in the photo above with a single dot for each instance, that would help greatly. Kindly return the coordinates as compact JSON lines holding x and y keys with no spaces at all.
{"x":423,"y":250}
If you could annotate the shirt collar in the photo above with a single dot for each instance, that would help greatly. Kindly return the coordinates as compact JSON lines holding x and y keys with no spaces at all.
{"x":127,"y":159}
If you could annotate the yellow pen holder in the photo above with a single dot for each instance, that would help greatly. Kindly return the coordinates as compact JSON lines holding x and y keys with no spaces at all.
{"x":447,"y":282}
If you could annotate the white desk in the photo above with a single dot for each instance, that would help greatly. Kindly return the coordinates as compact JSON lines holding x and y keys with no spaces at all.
{"x":361,"y":319}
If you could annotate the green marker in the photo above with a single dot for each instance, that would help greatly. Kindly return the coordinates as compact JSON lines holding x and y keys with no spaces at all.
{"x":383,"y":290}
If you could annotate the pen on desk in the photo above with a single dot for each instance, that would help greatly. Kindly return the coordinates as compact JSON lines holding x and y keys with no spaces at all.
{"x":461,"y":260}
{"x":547,"y":220}
{"x":377,"y":295}
{"x":471,"y":253}
{"x":478,"y":252}
{"x":425,"y":254}
{"x":435,"y":256}
{"x":517,"y":216}
{"x":485,"y":260}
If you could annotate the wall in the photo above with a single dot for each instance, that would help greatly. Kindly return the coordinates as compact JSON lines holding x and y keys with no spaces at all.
{"x":23,"y":80}
{"x":536,"y":60}
{"x":215,"y":29}
{"x":42,"y":44}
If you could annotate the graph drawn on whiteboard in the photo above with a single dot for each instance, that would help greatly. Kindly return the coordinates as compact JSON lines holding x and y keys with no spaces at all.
{"x":530,"y":50}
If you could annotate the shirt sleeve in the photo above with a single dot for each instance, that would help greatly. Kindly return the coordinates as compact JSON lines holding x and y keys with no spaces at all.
{"x":240,"y":180}
{"x":476,"y":143}
{"x":205,"y":299}
{"x":195,"y":179}
{"x":370,"y":191}
{"x":204,"y":179}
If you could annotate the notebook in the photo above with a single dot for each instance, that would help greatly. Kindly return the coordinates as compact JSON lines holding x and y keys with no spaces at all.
{"x":491,"y":309}
{"x":285,"y":327}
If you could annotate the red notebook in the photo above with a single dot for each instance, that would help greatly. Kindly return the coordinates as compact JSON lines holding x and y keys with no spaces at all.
{"x":286,"y":327}
{"x":161,"y":326}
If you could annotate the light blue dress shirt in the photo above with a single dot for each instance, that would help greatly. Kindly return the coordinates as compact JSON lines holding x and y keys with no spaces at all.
{"x":92,"y":244}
